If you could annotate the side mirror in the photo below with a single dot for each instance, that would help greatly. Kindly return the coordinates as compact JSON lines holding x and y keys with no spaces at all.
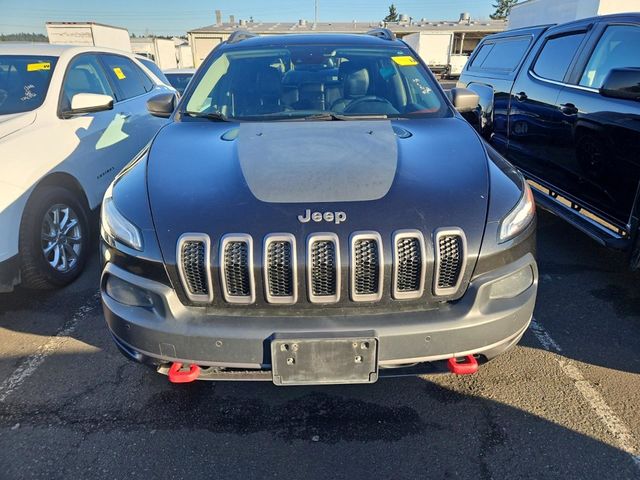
{"x":622,"y":83}
{"x":89,"y":103}
{"x":463,"y":99}
{"x":162,"y":105}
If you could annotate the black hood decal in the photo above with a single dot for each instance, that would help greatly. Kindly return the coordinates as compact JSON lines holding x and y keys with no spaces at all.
{"x":302,"y":162}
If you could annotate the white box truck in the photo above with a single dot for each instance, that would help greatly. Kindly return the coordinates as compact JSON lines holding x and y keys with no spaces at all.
{"x":543,"y":12}
{"x":433,"y":47}
{"x":88,"y":34}
{"x":161,"y":50}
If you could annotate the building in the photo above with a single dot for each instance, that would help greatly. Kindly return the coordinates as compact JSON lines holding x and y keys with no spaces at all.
{"x":467,"y":32}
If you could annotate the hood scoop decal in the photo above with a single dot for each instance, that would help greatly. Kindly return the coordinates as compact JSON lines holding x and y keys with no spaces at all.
{"x":301,"y":162}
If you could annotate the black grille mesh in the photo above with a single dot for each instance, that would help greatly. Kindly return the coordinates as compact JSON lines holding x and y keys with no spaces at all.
{"x":367,"y":263}
{"x":194,"y":267}
{"x":450,"y":249}
{"x":236,"y":269}
{"x":409,"y":267}
{"x":280,"y":269}
{"x":323,"y":268}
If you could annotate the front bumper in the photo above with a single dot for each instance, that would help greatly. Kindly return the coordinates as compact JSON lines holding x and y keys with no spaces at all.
{"x":169,"y":331}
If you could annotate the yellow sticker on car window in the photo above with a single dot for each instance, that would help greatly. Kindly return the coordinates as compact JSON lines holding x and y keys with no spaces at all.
{"x":34,"y":67}
{"x":405,"y":61}
{"x":119,"y":74}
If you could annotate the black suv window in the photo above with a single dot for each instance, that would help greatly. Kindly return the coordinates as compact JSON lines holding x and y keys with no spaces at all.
{"x":618,"y":48}
{"x":126,"y":76}
{"x":556,"y":56}
{"x":501,"y":55}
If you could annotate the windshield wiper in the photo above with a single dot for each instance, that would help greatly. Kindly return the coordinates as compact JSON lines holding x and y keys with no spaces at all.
{"x":213,"y":116}
{"x":337,"y":116}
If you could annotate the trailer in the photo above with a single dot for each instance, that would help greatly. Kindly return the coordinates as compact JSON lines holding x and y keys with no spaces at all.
{"x":161,"y":50}
{"x":89,"y":34}
{"x":544,"y":12}
{"x":441,"y":51}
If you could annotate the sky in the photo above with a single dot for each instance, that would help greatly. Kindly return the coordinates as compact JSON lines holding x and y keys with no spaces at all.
{"x":171,"y":17}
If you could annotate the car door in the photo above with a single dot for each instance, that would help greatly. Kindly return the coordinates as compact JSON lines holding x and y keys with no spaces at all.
{"x":537,"y":137}
{"x":89,"y":147}
{"x":602,"y":164}
{"x":133,"y":88}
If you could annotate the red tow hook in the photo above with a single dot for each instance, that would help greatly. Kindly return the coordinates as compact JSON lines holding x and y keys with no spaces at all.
{"x":178,"y":376}
{"x":468,"y":367}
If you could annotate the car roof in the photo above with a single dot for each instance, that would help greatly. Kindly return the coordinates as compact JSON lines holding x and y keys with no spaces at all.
{"x":351,"y":39}
{"x":169,"y":71}
{"x":51,"y":50}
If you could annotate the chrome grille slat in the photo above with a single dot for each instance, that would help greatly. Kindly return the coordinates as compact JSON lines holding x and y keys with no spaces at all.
{"x":323,"y":268}
{"x":409,"y":264}
{"x":450,"y":246}
{"x":236,"y":268}
{"x":193,"y":262}
{"x":280,"y":272}
{"x":367,"y":267}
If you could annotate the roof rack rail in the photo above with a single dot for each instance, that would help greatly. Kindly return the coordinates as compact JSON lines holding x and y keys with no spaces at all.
{"x":383,"y":33}
{"x":240,"y":35}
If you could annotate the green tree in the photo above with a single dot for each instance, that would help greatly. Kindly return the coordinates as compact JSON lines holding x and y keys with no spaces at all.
{"x":503,"y":8}
{"x":393,"y":14}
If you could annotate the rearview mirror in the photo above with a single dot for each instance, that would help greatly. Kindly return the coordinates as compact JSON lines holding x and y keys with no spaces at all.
{"x":622,"y":83}
{"x":89,"y":103}
{"x":463,"y":99}
{"x":162,"y":105}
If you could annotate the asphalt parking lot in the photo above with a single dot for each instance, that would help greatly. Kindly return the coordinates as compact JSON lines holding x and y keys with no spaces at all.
{"x":562,"y":404}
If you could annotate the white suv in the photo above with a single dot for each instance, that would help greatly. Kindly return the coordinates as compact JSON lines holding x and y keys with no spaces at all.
{"x":70,"y":119}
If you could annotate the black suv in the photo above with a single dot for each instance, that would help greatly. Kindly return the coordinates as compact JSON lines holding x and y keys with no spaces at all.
{"x":562,"y":104}
{"x":317,"y":211}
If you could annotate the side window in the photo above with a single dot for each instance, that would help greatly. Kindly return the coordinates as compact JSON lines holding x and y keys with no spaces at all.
{"x":125,"y":76}
{"x":618,"y":47}
{"x":155,"y":70}
{"x":502,"y":55}
{"x":556,"y":56}
{"x":84,"y":75}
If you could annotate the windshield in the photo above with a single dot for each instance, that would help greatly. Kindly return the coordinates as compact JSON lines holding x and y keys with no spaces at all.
{"x":179,"y":81}
{"x":307,"y":81}
{"x":24,"y":80}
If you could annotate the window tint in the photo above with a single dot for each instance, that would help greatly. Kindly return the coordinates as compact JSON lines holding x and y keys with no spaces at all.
{"x":24,"y":82}
{"x":128,"y":78}
{"x":619,"y":47}
{"x":482,"y":54}
{"x":85,"y":75}
{"x":505,"y":55}
{"x":556,"y":56}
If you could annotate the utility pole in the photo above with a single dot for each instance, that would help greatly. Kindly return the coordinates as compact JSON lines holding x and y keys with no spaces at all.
{"x":315,"y":21}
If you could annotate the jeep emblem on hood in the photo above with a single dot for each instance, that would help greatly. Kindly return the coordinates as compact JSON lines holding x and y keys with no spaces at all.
{"x":337,"y":217}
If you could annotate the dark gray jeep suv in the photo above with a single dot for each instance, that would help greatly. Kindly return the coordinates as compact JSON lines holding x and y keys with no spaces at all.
{"x":317,"y":212}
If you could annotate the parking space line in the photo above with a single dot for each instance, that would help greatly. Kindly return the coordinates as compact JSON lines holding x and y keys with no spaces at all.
{"x":615,"y":425}
{"x":31,"y":364}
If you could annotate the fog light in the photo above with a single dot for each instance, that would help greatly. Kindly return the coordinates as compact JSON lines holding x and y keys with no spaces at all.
{"x":513,"y":285}
{"x":127,"y":293}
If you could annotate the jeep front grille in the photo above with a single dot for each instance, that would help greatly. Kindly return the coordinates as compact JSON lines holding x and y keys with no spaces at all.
{"x":236,"y":268}
{"x":323,"y":268}
{"x":409,"y":264}
{"x":367,"y":267}
{"x":193,"y":260}
{"x":450,"y":248}
{"x":280,"y":268}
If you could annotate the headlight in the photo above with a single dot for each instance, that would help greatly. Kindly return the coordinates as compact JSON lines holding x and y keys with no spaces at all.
{"x":113,"y":225}
{"x":520,"y":217}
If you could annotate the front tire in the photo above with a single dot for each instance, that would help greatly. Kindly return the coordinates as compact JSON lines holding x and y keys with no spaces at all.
{"x":54,"y":238}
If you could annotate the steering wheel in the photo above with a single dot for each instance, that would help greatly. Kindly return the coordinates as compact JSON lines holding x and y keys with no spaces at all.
{"x":384,"y":106}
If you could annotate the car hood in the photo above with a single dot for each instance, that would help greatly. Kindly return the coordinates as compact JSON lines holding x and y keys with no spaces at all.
{"x":13,"y":122}
{"x":258,"y":178}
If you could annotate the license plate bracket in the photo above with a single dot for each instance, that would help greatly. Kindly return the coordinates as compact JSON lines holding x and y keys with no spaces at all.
{"x":301,"y":360}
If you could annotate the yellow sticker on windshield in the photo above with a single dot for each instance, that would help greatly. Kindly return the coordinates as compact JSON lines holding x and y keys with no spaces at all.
{"x":34,"y":67}
{"x":119,"y":74}
{"x":405,"y":61}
